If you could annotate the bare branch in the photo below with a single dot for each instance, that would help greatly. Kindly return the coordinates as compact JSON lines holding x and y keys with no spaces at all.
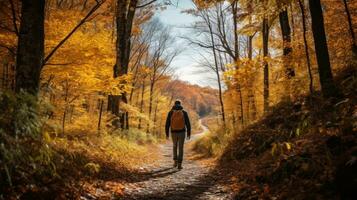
{"x":202,"y":45}
{"x":12,"y":51}
{"x":14,"y":17}
{"x":59,"y":63}
{"x":7,"y":29}
{"x":84,"y":20}
{"x":146,"y":4}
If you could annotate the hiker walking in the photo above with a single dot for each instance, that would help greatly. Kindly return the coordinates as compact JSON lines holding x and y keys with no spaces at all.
{"x":178,"y":123}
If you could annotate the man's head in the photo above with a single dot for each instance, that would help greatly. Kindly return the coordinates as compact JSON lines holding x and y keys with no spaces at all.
{"x":177,"y":103}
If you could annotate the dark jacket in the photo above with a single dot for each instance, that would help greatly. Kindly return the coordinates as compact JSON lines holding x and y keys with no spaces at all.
{"x":187,"y":122}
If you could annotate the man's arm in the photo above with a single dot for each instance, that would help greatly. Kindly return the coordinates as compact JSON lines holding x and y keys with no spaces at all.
{"x":188,"y":124}
{"x":168,"y":124}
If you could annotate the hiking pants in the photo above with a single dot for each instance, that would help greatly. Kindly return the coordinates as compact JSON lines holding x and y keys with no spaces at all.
{"x":178,"y":140}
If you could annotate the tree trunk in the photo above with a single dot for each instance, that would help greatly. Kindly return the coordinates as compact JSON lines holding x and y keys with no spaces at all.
{"x":142,"y":102}
{"x":311,"y":83}
{"x":241,"y":105}
{"x":292,"y":22}
{"x":287,"y":49}
{"x":233,"y":122}
{"x":120,"y":67}
{"x":328,"y":86}
{"x":160,"y":127}
{"x":133,"y":85}
{"x":30,"y":49}
{"x":247,"y":119}
{"x":250,"y":47}
{"x":64,"y":119}
{"x":124,"y":119}
{"x":65,"y":106}
{"x":100,"y":113}
{"x":71,"y":113}
{"x":251,"y":100}
{"x":5,"y":75}
{"x":234,"y":6}
{"x":113,"y":104}
{"x":350,"y":25}
{"x":236,"y":54}
{"x":155,"y":112}
{"x":124,"y":21}
{"x":122,"y":38}
{"x":266,"y":66}
{"x":152,"y":85}
{"x":217,"y":74}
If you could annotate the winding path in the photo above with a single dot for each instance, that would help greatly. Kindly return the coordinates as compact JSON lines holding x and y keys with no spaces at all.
{"x":162,"y":181}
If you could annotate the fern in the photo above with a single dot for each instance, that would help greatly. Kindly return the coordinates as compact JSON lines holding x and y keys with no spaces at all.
{"x":22,"y":143}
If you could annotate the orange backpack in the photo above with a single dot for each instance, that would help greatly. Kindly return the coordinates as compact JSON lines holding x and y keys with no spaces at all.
{"x":177,"y":120}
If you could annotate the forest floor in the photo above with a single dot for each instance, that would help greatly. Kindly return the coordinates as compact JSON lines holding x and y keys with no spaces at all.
{"x":161,"y":180}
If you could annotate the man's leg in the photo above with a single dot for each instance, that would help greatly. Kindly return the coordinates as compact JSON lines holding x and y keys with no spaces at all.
{"x":174,"y":146}
{"x":181,"y":142}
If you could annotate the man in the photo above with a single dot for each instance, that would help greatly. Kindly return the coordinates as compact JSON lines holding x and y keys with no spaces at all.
{"x":178,"y":122}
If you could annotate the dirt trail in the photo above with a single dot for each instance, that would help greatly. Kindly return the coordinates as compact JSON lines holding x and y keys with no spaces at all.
{"x":162,"y":181}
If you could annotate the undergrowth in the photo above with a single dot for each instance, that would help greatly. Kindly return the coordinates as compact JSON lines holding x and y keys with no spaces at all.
{"x":23,"y":149}
{"x":213,"y":143}
{"x":38,"y":160}
{"x":305,"y":149}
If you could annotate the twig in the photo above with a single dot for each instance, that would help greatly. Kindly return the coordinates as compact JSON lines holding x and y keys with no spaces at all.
{"x":84,"y":20}
{"x":8,"y":48}
{"x":146,"y":4}
{"x":59,"y":63}
{"x":14,"y":17}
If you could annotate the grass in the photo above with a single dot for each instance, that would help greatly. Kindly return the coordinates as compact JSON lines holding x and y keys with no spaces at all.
{"x":71,"y":160}
{"x":212,"y":143}
{"x":104,"y":148}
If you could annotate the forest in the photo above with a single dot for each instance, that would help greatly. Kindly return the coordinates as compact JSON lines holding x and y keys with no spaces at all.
{"x":86,"y":87}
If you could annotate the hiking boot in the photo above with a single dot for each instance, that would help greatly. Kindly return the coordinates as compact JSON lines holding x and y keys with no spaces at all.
{"x":175,"y":163}
{"x":179,"y":166}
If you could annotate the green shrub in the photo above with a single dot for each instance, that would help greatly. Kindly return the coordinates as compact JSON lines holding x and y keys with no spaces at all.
{"x":211,"y":144}
{"x":138,"y":136}
{"x":19,"y":116}
{"x":22,"y":147}
{"x":100,"y":149}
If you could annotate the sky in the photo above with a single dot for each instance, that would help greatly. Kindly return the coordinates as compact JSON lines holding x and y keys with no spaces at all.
{"x":186,"y":64}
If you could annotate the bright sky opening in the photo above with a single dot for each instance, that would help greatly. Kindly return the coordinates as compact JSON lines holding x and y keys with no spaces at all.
{"x":186,"y":64}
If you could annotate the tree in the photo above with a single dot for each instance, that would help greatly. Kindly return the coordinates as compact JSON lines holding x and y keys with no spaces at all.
{"x":216,"y":70}
{"x":303,"y":17}
{"x":251,"y":97}
{"x":287,"y":49}
{"x":328,"y":86}
{"x":125,"y":13}
{"x":286,"y":35}
{"x":214,"y":27}
{"x":265,"y":35}
{"x":30,"y":49}
{"x":162,"y":56}
{"x":350,"y":26}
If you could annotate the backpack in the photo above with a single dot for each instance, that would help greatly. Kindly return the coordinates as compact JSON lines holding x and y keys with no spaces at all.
{"x":177,"y":120}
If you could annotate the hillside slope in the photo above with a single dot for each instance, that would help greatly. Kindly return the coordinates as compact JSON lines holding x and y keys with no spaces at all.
{"x":306,"y":149}
{"x":201,"y":99}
